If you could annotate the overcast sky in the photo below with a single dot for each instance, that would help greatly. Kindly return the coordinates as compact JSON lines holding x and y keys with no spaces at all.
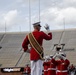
{"x":15,"y":15}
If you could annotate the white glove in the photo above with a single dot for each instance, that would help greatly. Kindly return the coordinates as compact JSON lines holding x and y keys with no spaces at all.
{"x":54,"y":56}
{"x":45,"y":58}
{"x":29,"y":47}
{"x":64,"y":58}
{"x":47,"y":27}
{"x":59,"y":56}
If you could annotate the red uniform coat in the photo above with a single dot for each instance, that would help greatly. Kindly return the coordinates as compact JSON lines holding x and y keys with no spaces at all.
{"x":27,"y":70}
{"x":52,"y":67}
{"x":45,"y":65}
{"x":39,"y":35}
{"x":62,"y":66}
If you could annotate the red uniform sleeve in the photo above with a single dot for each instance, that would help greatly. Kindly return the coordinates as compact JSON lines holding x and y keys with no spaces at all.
{"x":53,"y":61}
{"x":67,"y":62}
{"x":29,"y":70}
{"x":25,"y":43}
{"x":58,"y":62}
{"x":47,"y":36}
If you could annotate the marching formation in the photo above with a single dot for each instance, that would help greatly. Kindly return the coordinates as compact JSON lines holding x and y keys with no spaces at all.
{"x":56,"y":64}
{"x":53,"y":66}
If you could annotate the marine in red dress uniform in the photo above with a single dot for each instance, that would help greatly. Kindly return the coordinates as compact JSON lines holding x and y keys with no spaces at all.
{"x":39,"y":36}
{"x":45,"y":65}
{"x":27,"y":70}
{"x":62,"y":66}
{"x":52,"y":67}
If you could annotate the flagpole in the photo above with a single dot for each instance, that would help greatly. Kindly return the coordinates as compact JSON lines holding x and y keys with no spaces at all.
{"x":5,"y":26}
{"x":39,"y":10}
{"x":29,"y":15}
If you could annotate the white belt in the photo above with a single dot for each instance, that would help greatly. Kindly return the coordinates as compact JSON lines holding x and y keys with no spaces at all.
{"x":51,"y":68}
{"x":61,"y":71}
{"x":45,"y":70}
